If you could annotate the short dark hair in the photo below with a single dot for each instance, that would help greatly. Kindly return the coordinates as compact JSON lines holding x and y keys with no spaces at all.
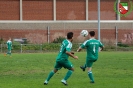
{"x":92,"y":33}
{"x":69,"y":35}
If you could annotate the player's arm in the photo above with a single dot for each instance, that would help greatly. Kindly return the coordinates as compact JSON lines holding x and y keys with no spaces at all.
{"x":79,"y":49}
{"x":71,"y":54}
{"x":101,"y":46}
{"x":82,"y":46}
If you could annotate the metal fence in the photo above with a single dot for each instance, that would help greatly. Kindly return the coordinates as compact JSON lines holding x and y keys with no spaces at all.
{"x":23,"y":48}
{"x":54,"y":47}
{"x":35,"y":48}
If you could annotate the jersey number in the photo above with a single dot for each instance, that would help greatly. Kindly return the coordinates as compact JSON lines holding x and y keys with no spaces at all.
{"x":94,"y":48}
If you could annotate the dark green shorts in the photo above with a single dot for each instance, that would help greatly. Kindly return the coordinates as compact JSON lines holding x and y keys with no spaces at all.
{"x":64,"y":63}
{"x":9,"y":49}
{"x":89,"y":62}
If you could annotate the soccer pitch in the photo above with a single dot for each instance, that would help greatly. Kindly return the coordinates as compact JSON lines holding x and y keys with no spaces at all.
{"x":112,"y":70}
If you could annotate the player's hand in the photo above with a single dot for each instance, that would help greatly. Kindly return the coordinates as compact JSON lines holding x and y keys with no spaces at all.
{"x":75,"y":57}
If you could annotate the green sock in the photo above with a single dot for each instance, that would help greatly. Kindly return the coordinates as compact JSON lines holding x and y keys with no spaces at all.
{"x":50,"y":75}
{"x":91,"y":76}
{"x":68,"y":74}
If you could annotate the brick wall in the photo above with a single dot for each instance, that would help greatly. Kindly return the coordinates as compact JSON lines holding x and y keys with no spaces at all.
{"x":38,"y":32}
{"x":9,"y":9}
{"x":65,"y":10}
{"x":37,"y":9}
{"x":71,"y":10}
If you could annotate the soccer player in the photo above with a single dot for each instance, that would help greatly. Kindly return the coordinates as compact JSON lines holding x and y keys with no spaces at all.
{"x":92,"y":46}
{"x":62,"y":59}
{"x":9,"y":46}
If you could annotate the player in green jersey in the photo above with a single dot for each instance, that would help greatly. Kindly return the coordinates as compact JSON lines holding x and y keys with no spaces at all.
{"x":92,"y":46}
{"x":9,"y":46}
{"x":62,"y":59}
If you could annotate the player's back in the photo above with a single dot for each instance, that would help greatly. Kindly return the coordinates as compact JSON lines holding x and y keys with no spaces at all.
{"x":92,"y":47}
{"x":9,"y":43}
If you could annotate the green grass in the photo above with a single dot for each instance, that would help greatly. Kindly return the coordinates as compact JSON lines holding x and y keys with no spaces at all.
{"x":112,"y":70}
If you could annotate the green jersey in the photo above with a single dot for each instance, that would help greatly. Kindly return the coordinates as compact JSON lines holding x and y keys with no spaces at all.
{"x":9,"y":44}
{"x":92,"y":47}
{"x":65,"y":46}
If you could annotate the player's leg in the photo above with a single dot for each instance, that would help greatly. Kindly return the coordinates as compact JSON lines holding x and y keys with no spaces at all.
{"x":50,"y":75}
{"x":9,"y":51}
{"x":70,"y":68}
{"x":90,"y":74}
{"x":69,"y":73}
{"x":84,"y":66}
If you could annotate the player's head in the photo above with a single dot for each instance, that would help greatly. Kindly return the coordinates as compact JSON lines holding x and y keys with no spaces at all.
{"x":9,"y":38}
{"x":70,"y":35}
{"x":92,"y":33}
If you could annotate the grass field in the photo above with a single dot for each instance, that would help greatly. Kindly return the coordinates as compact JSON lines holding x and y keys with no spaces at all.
{"x":112,"y":70}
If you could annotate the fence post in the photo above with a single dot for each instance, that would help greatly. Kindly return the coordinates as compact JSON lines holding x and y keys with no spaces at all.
{"x":41,"y":47}
{"x":21,"y":48}
{"x":1,"y":48}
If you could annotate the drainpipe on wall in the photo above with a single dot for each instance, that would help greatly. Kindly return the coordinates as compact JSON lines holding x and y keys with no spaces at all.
{"x":118,"y":15}
{"x":99,"y":35}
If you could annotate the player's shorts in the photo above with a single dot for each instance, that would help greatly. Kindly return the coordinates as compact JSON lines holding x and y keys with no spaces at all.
{"x":9,"y":49}
{"x":64,"y":63}
{"x":89,"y":62}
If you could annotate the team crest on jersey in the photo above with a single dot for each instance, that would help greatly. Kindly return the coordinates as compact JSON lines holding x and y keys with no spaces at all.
{"x":123,"y":8}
